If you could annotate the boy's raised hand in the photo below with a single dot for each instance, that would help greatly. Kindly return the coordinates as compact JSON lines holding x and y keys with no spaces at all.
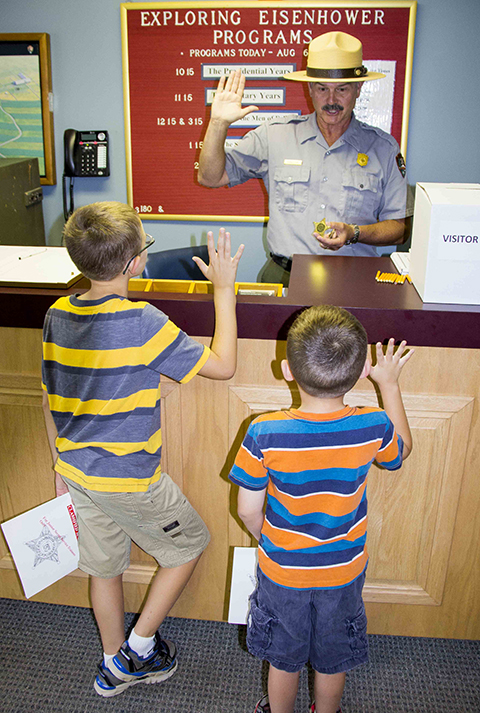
{"x":386,"y":373}
{"x":222,"y":267}
{"x":221,"y":270}
{"x":389,"y":365}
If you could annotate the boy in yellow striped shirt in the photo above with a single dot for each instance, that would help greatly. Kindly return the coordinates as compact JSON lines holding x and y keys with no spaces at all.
{"x":102,"y":360}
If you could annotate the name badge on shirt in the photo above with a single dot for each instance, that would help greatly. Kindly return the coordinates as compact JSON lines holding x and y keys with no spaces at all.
{"x":292,"y":162}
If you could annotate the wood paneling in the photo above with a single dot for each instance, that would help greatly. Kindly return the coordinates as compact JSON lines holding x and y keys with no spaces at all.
{"x":424,"y":520}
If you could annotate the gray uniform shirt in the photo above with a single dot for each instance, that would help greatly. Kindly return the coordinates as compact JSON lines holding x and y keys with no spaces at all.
{"x":307,"y":180}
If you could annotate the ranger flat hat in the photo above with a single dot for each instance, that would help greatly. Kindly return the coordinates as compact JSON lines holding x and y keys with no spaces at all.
{"x":334,"y":57}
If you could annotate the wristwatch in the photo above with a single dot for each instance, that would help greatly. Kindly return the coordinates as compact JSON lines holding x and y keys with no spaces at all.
{"x":356,"y":235}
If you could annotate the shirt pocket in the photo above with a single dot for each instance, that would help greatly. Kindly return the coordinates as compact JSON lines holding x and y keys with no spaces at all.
{"x":291,"y":188}
{"x":362,"y":192}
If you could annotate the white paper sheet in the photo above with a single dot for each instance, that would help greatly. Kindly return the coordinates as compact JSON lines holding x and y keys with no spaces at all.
{"x":43,"y":543}
{"x":375,"y":103}
{"x":244,"y":581}
{"x":37,"y":266}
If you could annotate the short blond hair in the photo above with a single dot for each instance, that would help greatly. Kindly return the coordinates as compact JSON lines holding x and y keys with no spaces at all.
{"x":102,"y":237}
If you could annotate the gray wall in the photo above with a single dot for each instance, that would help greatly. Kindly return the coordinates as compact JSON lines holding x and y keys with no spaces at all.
{"x":443,"y":144}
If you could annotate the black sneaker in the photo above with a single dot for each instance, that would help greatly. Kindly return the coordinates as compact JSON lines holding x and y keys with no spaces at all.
{"x":160,"y":665}
{"x":263,"y":706}
{"x":106,"y":684}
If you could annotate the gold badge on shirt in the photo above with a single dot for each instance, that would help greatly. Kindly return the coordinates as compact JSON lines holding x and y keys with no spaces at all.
{"x":362,"y":159}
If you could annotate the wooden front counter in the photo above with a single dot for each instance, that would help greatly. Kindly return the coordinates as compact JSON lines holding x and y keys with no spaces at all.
{"x":424,"y":521}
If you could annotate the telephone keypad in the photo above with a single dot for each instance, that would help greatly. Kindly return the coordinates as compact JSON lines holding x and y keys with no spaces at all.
{"x":88,"y":160}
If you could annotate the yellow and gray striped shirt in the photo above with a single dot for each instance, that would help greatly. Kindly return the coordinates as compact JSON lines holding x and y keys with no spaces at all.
{"x":101,"y":369}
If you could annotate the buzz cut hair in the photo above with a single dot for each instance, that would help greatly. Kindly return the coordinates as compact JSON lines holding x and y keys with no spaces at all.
{"x":102,"y":237}
{"x":326,"y":351}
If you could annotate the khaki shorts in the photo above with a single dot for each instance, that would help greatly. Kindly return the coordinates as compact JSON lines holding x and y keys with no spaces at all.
{"x":160,"y":521}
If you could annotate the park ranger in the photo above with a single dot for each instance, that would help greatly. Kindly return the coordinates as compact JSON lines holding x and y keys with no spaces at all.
{"x":336,"y":185}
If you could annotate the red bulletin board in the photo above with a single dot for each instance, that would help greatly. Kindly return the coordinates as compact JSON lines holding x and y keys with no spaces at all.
{"x":173,"y":54}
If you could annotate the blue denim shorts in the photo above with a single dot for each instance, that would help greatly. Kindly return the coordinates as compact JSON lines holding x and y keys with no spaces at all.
{"x":289,"y":627}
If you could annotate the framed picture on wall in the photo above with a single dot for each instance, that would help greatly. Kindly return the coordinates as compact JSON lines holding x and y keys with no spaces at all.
{"x":174,"y":54}
{"x":26,"y":101}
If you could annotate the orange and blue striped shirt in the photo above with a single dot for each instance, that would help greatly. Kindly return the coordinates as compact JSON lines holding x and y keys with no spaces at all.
{"x":315,"y":469}
{"x":102,"y":361}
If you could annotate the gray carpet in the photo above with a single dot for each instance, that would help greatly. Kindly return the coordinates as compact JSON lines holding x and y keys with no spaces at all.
{"x":49,"y":655}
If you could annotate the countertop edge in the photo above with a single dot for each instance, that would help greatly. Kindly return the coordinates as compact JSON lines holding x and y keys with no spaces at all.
{"x":267,"y":317}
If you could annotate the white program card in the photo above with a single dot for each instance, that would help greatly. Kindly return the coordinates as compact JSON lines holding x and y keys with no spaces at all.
{"x":244,"y":581}
{"x":43,"y":543}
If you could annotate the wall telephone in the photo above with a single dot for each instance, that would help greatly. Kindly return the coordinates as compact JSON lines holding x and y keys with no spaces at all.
{"x":86,"y":153}
{"x":86,"y":156}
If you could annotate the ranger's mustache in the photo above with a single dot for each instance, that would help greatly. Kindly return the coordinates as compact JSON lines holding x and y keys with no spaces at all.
{"x":332,"y":107}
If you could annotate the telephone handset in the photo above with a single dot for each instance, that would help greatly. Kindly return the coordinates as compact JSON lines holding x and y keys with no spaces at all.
{"x":86,"y":153}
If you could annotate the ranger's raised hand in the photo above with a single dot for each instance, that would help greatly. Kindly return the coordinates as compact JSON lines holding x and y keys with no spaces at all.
{"x":227,"y":103}
{"x":226,"y":109}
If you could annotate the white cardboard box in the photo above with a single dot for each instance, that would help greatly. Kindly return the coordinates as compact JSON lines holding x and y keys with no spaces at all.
{"x":445,"y":253}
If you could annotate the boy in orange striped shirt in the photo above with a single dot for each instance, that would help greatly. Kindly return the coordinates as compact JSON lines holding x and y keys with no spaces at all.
{"x":311,"y":464}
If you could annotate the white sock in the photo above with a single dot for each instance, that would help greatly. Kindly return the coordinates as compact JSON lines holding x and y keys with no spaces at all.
{"x":142,"y":645}
{"x":107,"y":658}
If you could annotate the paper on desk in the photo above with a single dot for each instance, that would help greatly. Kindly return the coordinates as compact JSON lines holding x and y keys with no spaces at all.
{"x":37,"y":266}
{"x":244,"y":581}
{"x":43,"y":543}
